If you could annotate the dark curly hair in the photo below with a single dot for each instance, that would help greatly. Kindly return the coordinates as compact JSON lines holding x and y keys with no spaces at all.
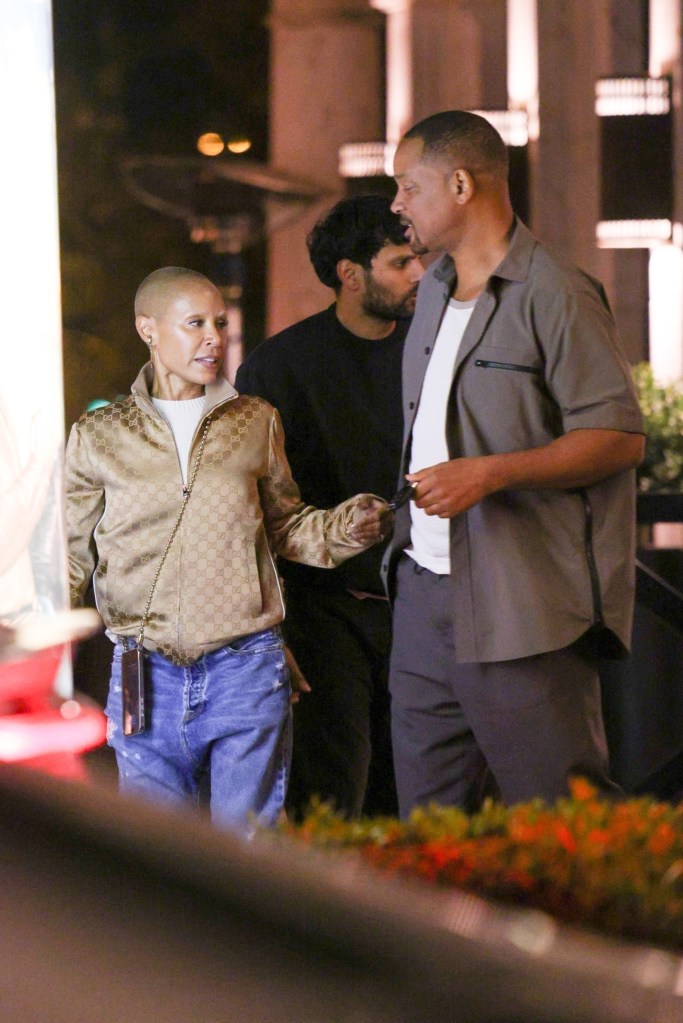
{"x":356,"y":229}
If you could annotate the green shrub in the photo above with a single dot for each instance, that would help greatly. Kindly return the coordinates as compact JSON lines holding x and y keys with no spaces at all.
{"x":662,"y":408}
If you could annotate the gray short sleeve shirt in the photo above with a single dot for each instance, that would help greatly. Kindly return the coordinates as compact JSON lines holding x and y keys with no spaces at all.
{"x":532,"y":570}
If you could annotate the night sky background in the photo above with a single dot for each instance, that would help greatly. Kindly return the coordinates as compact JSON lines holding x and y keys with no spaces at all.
{"x":143,"y":77}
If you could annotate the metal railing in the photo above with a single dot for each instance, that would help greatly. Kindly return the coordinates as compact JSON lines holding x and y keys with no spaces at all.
{"x":665,"y":600}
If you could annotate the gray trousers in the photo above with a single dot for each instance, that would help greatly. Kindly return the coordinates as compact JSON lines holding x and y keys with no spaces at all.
{"x":525,"y":724}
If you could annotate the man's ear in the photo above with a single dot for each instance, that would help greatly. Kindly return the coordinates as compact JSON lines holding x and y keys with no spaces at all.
{"x":350,"y":274}
{"x":145,"y":328}
{"x":462,"y":185}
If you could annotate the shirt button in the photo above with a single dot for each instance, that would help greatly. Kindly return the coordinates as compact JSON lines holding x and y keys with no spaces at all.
{"x":411,"y":404}
{"x":427,"y":351}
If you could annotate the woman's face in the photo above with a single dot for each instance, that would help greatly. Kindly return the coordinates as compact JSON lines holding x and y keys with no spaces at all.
{"x":188,"y":341}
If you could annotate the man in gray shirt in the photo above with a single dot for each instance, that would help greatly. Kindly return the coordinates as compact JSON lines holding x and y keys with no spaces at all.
{"x":512,"y":571}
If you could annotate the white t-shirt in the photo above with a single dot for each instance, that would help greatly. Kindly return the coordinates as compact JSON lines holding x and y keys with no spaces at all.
{"x":429,"y":534}
{"x":182,"y":417}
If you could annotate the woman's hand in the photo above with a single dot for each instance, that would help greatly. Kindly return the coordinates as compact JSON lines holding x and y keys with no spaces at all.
{"x":297,"y":680}
{"x":372,"y":521}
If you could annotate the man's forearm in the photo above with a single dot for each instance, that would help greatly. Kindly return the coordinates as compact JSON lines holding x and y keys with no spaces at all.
{"x":577,"y":459}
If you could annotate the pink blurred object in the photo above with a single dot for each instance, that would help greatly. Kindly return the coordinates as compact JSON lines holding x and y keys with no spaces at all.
{"x":37,"y":726}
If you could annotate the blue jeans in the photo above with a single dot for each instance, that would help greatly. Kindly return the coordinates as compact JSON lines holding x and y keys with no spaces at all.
{"x":227,"y":716}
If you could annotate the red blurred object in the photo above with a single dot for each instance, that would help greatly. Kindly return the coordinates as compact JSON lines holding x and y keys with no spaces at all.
{"x":29,"y":678}
{"x":37,"y":727}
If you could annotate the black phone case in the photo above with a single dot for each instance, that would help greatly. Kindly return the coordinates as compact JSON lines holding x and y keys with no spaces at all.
{"x":133,"y":690}
{"x":402,"y":496}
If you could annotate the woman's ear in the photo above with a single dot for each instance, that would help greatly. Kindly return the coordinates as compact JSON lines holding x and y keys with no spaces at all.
{"x":145,"y":327}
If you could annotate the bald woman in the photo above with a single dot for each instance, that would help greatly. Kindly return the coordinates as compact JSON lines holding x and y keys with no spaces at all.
{"x":179,"y":497}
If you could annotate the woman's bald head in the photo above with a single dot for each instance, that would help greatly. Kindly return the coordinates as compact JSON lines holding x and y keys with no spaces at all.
{"x":162,"y":286}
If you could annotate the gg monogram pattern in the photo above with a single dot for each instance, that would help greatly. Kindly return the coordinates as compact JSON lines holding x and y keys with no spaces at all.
{"x":125,"y":490}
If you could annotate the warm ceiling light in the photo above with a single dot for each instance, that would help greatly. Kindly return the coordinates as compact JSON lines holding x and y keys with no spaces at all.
{"x":627,"y":97}
{"x":239,"y":145}
{"x":366,"y":159}
{"x":210,"y":144}
{"x":633,"y":234}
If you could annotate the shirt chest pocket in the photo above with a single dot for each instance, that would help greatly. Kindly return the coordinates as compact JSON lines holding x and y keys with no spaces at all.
{"x":513,"y":366}
{"x":502,"y":401}
{"x":507,"y":360}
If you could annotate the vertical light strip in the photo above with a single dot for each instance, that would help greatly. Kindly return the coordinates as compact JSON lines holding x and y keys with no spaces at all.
{"x":665,"y":27}
{"x":666,"y":262}
{"x":29,"y":251}
{"x":31,"y":390}
{"x":399,"y":113}
{"x":666,"y":313}
{"x":522,"y":57}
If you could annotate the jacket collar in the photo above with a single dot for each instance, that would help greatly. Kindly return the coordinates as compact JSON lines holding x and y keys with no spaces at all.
{"x":216,"y":393}
{"x":514,"y":265}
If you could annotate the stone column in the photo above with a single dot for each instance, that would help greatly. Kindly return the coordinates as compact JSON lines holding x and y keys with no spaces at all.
{"x":327,"y":88}
{"x":625,"y":271}
{"x":580,"y":41}
{"x":399,"y":65}
{"x":459,"y":55}
{"x":573,"y":51}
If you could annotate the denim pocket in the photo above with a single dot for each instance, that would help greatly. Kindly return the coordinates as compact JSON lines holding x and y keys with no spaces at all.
{"x":258,"y":642}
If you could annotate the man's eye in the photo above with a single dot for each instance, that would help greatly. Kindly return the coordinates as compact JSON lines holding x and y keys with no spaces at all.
{"x":221,"y":324}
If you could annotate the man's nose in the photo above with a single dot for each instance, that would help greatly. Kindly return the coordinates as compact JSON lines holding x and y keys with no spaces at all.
{"x":417,"y":271}
{"x":397,"y":205}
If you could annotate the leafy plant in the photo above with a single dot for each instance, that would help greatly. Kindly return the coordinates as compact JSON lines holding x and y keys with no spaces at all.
{"x":662,"y":408}
{"x":614,"y":866}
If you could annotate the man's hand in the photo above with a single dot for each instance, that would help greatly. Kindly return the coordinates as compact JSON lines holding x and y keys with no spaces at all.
{"x":577,"y":459}
{"x":449,"y":488}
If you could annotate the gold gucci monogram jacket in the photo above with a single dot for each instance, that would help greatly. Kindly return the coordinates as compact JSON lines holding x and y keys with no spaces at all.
{"x":124,"y":490}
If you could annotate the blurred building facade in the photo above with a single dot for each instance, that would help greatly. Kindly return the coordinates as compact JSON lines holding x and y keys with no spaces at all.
{"x":587,"y":91}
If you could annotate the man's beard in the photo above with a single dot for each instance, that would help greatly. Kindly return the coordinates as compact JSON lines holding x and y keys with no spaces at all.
{"x":378,"y":302}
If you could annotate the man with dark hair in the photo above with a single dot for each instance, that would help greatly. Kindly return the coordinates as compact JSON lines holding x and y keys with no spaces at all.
{"x":512,"y":569}
{"x":335,"y":378}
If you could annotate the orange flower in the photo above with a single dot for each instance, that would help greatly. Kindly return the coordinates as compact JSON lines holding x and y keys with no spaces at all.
{"x":582,"y":790}
{"x":662,"y":839}
{"x":599,"y":837}
{"x":565,"y":837}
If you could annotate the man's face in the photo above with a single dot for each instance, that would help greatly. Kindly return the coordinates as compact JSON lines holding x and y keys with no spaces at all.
{"x":425,"y":199}
{"x":391,"y":282}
